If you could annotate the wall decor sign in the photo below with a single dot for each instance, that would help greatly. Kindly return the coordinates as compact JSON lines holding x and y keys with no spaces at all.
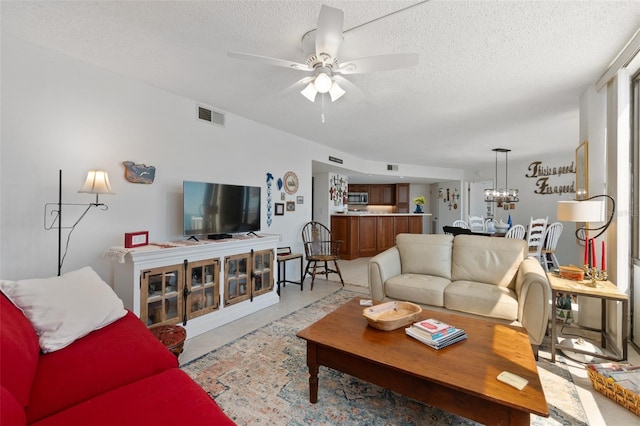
{"x":139,"y":173}
{"x":300,"y":199}
{"x":136,"y":239}
{"x":290,"y":183}
{"x":546,"y":178}
{"x":279,"y":209}
{"x":291,"y":206}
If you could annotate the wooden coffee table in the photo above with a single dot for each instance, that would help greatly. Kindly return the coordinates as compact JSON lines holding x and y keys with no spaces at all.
{"x":460,"y":379}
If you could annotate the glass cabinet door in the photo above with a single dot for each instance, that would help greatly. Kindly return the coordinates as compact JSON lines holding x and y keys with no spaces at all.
{"x":203,"y":280}
{"x":236,"y":278}
{"x":262,"y":272}
{"x":161,"y":295}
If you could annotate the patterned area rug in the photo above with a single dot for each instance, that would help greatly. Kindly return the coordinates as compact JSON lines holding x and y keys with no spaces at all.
{"x":261,"y":378}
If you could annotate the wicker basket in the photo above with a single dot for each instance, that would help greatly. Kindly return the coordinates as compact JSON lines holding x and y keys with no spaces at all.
{"x":392,"y":315}
{"x":614,"y":391}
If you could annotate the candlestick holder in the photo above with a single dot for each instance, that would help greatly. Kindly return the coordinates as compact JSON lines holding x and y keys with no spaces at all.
{"x":592,"y":275}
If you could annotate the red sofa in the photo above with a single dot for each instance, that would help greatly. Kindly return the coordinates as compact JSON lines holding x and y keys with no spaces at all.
{"x":117,"y":375}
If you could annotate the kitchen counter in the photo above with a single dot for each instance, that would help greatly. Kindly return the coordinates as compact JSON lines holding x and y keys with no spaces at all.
{"x":366,"y":234}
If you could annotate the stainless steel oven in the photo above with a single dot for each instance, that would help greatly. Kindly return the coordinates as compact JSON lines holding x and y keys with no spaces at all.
{"x":357,"y":198}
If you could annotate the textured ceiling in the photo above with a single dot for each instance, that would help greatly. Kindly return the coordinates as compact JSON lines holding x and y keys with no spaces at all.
{"x":490,"y":74}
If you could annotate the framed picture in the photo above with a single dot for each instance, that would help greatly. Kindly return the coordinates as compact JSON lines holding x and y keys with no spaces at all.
{"x":136,"y":239}
{"x":300,"y":199}
{"x":291,"y":206}
{"x":582,"y":171}
{"x":582,"y":181}
{"x":279,"y":209}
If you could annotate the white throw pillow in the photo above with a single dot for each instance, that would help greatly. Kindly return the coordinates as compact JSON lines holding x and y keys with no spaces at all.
{"x":65,"y":308}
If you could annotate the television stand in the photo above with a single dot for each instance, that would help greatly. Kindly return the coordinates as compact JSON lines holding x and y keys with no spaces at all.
{"x":218,"y":236}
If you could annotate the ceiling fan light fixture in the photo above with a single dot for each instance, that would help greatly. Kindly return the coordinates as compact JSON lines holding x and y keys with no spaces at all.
{"x":336,"y":92}
{"x":323,"y":82}
{"x":310,"y":92}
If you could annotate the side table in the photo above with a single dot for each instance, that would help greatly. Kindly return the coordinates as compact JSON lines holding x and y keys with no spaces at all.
{"x":172,"y":336}
{"x":283,"y":256}
{"x":605,"y":291}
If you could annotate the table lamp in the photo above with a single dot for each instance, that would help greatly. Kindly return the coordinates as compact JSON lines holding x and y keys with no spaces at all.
{"x":585,"y":211}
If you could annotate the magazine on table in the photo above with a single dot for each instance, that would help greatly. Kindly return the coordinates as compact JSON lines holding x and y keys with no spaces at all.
{"x":419,"y":328}
{"x":439,"y":343}
{"x":434,"y":326}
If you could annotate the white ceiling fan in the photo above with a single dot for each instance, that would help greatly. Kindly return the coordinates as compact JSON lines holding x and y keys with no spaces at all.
{"x":321,"y":47}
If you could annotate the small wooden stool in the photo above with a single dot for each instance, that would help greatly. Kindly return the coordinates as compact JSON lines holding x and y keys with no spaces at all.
{"x":172,"y":336}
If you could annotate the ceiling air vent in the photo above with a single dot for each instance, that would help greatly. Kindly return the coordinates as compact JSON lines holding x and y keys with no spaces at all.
{"x":392,"y":167}
{"x":210,"y":116}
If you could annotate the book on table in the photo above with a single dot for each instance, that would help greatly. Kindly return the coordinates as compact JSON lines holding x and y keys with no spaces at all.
{"x":433,"y":328}
{"x":435,"y":334}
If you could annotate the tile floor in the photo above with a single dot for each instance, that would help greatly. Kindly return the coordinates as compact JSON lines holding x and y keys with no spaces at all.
{"x":600,"y":409}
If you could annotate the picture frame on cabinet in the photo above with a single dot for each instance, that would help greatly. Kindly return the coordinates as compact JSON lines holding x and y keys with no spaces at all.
{"x":279,"y":209}
{"x":291,"y":206}
{"x":136,"y":239}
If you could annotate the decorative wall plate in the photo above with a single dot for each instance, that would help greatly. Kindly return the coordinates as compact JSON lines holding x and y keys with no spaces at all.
{"x":290,"y":183}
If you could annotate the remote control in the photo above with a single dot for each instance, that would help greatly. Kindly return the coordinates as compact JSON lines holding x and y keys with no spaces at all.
{"x":513,"y":380}
{"x":366,"y":302}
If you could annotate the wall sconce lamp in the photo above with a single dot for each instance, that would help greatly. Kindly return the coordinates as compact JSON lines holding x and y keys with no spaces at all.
{"x":97,"y":182}
{"x":585,"y":211}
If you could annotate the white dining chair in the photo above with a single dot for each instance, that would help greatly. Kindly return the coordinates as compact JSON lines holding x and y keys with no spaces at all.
{"x":461,"y":224}
{"x":551,"y":238}
{"x":517,"y":232}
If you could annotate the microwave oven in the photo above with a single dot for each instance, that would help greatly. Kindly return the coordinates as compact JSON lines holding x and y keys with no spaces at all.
{"x":357,"y":198}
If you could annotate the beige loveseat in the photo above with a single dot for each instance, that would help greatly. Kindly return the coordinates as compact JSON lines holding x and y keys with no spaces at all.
{"x":488,"y":277}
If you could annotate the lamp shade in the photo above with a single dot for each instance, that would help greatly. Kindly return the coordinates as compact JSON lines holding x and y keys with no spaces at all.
{"x":581,"y":211}
{"x":336,"y":92}
{"x":310,"y":92}
{"x":97,"y":183}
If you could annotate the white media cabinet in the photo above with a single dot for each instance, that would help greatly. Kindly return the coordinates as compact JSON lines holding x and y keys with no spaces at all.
{"x":209,"y":283}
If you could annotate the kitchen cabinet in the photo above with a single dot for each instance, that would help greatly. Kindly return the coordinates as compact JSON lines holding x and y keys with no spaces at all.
{"x":375,"y":195}
{"x":403,"y":201}
{"x":368,"y":234}
{"x":382,"y":194}
{"x":358,"y":187}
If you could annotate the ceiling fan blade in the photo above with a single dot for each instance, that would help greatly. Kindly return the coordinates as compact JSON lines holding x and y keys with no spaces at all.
{"x":270,"y":61}
{"x":329,"y":31}
{"x":378,"y":63}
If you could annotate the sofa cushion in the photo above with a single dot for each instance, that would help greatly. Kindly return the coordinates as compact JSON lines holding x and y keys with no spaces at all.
{"x":421,"y":289}
{"x":11,"y":412}
{"x":62,"y":309}
{"x":120,"y":353}
{"x":19,"y":352}
{"x":425,"y":254}
{"x":481,"y":299}
{"x":489,"y":260}
{"x":166,"y":398}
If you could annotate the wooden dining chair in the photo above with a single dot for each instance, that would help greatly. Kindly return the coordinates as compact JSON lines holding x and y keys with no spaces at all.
{"x":535,"y":237}
{"x":320,"y":248}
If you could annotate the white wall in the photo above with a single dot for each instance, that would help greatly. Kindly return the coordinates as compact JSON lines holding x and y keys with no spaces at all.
{"x":59,"y":113}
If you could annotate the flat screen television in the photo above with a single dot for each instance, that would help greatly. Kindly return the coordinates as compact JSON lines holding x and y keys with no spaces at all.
{"x":218,"y":210}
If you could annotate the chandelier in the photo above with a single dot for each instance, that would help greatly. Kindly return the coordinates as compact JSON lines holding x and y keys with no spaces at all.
{"x":501,"y":195}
